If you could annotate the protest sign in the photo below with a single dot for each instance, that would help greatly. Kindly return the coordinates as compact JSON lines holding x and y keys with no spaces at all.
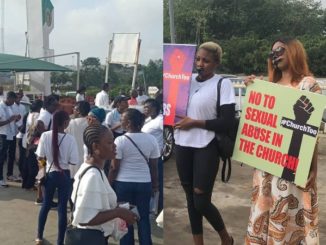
{"x":177,"y":70}
{"x":278,"y":130}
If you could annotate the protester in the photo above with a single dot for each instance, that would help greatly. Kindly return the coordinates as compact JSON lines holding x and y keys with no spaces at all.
{"x":196,"y":146}
{"x":154,"y":126}
{"x":113,"y":118}
{"x":96,"y":116}
{"x":30,"y":166}
{"x":76,"y":128}
{"x":281,"y":212}
{"x":44,"y":123}
{"x":141,"y":98}
{"x":134,"y":172}
{"x":7,"y":136}
{"x":58,"y":150}
{"x":19,"y":109}
{"x":102,"y":98}
{"x":133,"y":97}
{"x":24,"y":98}
{"x":96,"y":203}
{"x":80,"y":94}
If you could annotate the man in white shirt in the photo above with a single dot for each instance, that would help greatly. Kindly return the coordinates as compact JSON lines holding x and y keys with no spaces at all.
{"x":102,"y":98}
{"x":7,"y":134}
{"x":23,"y":97}
{"x":19,"y":109}
{"x":76,"y":128}
{"x":141,"y":98}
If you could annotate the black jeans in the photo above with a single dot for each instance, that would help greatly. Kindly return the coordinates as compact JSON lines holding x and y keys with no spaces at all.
{"x":197,"y":169}
{"x":7,"y":152}
{"x":30,"y":170}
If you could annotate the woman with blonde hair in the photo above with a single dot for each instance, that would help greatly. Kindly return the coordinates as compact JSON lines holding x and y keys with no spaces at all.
{"x":197,"y":160}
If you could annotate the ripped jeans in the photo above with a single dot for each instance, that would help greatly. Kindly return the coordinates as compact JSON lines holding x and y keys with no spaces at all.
{"x":197,"y":170}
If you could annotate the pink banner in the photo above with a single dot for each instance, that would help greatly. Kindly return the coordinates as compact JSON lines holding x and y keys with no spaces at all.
{"x":177,"y":69}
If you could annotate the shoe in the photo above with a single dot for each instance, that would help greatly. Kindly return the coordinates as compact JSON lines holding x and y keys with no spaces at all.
{"x":38,"y":201}
{"x":18,"y":179}
{"x":11,"y":178}
{"x":38,"y":241}
{"x":3,"y":184}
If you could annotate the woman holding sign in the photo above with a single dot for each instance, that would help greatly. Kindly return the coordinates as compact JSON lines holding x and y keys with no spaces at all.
{"x":196,"y":147}
{"x":281,"y":212}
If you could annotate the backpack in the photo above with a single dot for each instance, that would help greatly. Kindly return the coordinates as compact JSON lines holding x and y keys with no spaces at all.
{"x":226,"y":141}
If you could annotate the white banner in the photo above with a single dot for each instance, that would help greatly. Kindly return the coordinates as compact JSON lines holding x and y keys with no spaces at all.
{"x":124,"y":48}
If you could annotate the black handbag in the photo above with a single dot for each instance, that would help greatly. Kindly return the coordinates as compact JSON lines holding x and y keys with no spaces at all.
{"x":226,"y":141}
{"x":80,"y":236}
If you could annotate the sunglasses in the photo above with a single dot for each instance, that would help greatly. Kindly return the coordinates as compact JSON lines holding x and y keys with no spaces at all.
{"x":279,"y":51}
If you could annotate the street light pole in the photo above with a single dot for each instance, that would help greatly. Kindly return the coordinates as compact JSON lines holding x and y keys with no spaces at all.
{"x":171,"y":13}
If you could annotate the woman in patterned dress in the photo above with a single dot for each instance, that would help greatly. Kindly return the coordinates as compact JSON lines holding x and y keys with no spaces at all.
{"x":281,"y":212}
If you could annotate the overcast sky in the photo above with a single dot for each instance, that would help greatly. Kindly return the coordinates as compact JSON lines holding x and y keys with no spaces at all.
{"x":88,"y":25}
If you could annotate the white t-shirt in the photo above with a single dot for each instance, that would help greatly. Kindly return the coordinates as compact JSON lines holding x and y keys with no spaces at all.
{"x":133,"y":166}
{"x":68,"y":150}
{"x":112,"y":119}
{"x":102,"y":99}
{"x":30,"y":122}
{"x":9,"y":129}
{"x":46,"y":118}
{"x":202,"y":106}
{"x":141,"y":99}
{"x":94,"y":195}
{"x":21,"y":110}
{"x":76,"y":128}
{"x":155,"y":128}
{"x":80,"y":97}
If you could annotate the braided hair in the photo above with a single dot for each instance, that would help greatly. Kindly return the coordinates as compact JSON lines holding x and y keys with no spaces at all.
{"x":93,"y":134}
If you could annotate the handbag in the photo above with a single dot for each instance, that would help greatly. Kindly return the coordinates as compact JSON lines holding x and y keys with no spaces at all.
{"x":42,"y":175}
{"x":80,"y":236}
{"x":225,"y":141}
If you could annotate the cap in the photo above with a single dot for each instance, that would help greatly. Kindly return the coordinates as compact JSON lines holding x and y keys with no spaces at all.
{"x":120,"y":98}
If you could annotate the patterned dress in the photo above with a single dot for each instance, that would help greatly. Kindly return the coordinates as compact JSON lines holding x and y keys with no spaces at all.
{"x":282,"y":213}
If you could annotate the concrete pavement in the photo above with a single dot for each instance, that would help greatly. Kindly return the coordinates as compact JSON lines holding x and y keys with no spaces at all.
{"x":18,"y":219}
{"x":232,"y":200}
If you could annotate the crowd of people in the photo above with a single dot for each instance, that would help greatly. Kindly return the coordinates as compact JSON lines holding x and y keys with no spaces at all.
{"x":108,"y":164}
{"x":55,"y":148}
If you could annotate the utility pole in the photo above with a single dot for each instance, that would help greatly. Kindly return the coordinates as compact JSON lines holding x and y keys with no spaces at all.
{"x":171,"y":13}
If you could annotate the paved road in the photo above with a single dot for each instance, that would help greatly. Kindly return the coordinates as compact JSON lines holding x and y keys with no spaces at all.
{"x":18,"y":219}
{"x":232,"y":199}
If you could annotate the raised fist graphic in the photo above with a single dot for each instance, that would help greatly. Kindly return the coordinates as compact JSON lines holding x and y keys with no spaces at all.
{"x":302,"y":110}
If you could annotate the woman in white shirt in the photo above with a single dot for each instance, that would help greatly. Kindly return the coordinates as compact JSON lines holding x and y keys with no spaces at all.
{"x":96,"y":202}
{"x":134,"y":172}
{"x":196,"y":146}
{"x":58,"y":150}
{"x":80,"y":95}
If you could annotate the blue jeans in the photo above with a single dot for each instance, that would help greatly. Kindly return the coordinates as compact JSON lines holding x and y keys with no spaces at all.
{"x":61,"y":181}
{"x":138,"y":194}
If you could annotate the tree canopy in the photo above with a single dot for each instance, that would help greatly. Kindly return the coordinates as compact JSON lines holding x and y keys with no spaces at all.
{"x":245,"y":29}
